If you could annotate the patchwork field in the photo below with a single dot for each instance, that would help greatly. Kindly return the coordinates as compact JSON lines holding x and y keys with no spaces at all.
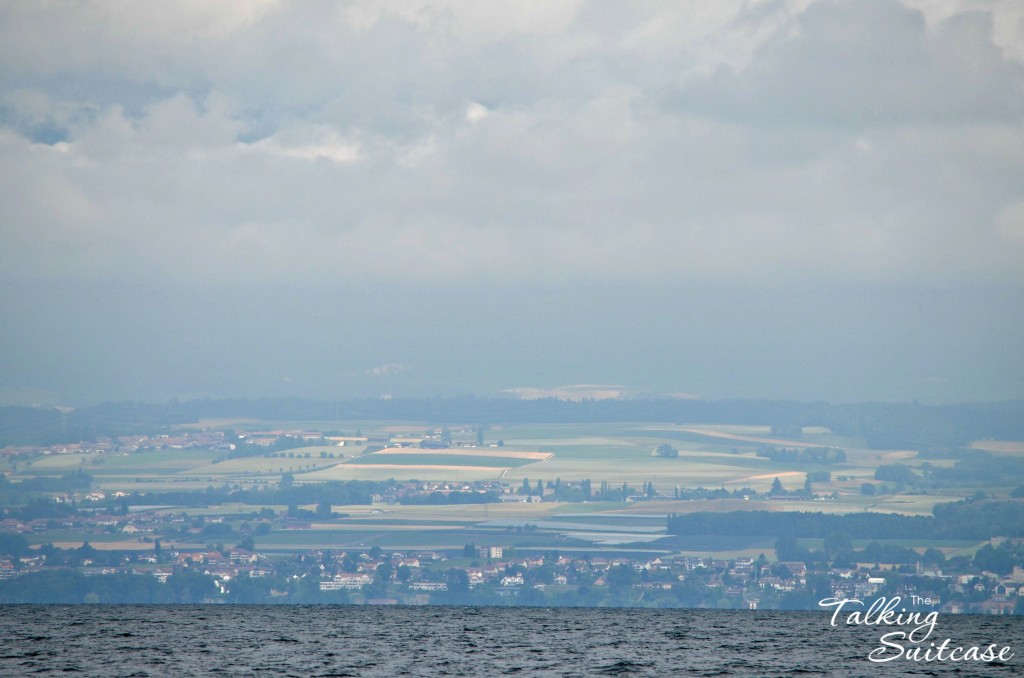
{"x":709,"y":456}
{"x":404,"y":463}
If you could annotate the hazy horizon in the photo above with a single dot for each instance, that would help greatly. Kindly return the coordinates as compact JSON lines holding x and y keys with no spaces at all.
{"x":802,"y":200}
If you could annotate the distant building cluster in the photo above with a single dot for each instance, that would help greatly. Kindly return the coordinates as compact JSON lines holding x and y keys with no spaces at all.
{"x":420,"y":577}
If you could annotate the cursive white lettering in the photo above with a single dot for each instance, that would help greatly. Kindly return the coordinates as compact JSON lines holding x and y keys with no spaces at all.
{"x":908,"y":645}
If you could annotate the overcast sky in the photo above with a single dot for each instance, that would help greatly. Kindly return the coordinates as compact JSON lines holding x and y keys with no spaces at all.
{"x":810,"y":200}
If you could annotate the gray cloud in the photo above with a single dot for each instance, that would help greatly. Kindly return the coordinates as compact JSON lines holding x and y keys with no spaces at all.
{"x":236,"y":148}
{"x":865,"y":65}
{"x":855,"y":141}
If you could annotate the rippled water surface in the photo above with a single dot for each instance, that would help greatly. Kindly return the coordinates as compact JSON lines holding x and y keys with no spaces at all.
{"x":427,"y":641}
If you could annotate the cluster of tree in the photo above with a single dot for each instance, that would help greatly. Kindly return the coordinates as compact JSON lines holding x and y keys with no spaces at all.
{"x":13,"y":545}
{"x":217,"y":530}
{"x":957,"y":453}
{"x":719,"y":493}
{"x":806,"y":455}
{"x":896,"y":473}
{"x":666,"y":450}
{"x":1000,"y":559}
{"x":838,"y":551}
{"x":788,"y":549}
{"x":70,"y":587}
{"x":883,"y":425}
{"x":875,"y":552}
{"x":38,"y":507}
{"x":973,"y":469}
{"x":13,"y":492}
{"x":805,"y":492}
{"x":323,"y":511}
{"x":46,"y":426}
{"x":578,"y":492}
{"x":971,"y":518}
{"x":250,"y":449}
{"x":608,"y":492}
{"x":997,"y":470}
{"x":966,"y":519}
{"x":76,"y":557}
{"x":529,"y":489}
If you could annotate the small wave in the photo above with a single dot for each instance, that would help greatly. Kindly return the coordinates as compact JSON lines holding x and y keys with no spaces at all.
{"x":285,"y":639}
{"x":623,"y":666}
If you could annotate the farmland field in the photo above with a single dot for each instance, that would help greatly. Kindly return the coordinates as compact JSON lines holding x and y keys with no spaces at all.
{"x":272,"y":494}
{"x":160,"y":461}
{"x":475,"y":453}
{"x":1000,"y":446}
{"x":453,"y":460}
{"x":709,"y":456}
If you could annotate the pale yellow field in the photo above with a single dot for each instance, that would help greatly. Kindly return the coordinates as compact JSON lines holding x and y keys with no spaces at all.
{"x":126,"y":545}
{"x":415,"y":468}
{"x":467,"y":512}
{"x":465,"y":452}
{"x":401,"y":472}
{"x":1001,"y":446}
{"x":773,"y":476}
{"x":874,"y":458}
{"x":599,"y":441}
{"x":682,"y":506}
{"x":746,"y":438}
{"x":207,"y":424}
{"x":261,"y":465}
{"x":376,"y":526}
{"x":900,"y":503}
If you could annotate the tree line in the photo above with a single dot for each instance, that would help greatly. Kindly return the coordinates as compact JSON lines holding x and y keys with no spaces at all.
{"x":967,"y":519}
{"x":882,"y":425}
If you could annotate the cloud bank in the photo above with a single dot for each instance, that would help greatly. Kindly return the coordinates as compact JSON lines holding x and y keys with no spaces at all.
{"x":349,"y":149}
{"x":305,"y":143}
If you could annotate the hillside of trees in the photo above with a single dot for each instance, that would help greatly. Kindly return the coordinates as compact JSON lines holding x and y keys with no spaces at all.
{"x":968,"y":519}
{"x":882,"y":425}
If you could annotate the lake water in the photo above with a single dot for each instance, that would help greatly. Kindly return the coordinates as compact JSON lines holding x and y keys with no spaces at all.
{"x":431,"y":641}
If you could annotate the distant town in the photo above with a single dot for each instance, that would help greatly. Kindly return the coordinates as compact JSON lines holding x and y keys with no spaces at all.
{"x":602,"y":514}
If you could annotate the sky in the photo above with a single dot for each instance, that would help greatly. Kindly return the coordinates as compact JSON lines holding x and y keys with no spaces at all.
{"x":811,"y":200}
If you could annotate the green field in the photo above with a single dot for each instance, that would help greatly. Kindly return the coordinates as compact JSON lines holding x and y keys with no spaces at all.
{"x":371,"y":472}
{"x":710,"y":456}
{"x":164,"y":462}
{"x":438,"y":460}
